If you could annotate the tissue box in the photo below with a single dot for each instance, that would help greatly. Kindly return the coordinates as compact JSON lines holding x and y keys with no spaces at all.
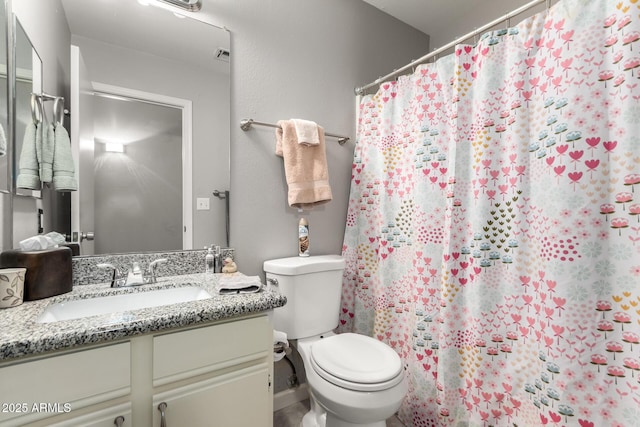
{"x":48,"y":271}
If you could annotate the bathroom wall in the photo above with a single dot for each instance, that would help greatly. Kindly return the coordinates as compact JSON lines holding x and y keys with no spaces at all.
{"x":299,"y":59}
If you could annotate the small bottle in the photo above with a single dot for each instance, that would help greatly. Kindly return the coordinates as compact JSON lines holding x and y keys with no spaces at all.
{"x":217,"y":260}
{"x":303,"y":237}
{"x":209,"y":262}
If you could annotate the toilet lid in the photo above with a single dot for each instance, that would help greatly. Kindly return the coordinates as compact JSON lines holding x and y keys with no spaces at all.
{"x":356,"y":362}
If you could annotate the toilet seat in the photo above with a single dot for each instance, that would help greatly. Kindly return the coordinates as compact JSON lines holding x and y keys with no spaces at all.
{"x":356,"y":362}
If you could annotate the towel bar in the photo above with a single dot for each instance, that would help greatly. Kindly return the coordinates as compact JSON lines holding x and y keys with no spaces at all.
{"x":245,"y":125}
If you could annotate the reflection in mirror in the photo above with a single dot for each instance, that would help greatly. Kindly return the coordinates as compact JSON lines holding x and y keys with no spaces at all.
{"x":28,"y":81}
{"x":4,"y":182}
{"x":147,"y":49}
{"x":137,"y":175}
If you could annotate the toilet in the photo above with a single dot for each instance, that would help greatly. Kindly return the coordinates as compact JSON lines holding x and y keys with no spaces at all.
{"x":353,"y":379}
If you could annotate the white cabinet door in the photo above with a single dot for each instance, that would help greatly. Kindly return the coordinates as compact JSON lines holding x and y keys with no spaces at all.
{"x":238,"y":399}
{"x":67,"y":382}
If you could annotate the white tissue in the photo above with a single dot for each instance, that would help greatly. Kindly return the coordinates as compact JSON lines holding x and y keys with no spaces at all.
{"x":42,"y":241}
{"x":279,"y":337}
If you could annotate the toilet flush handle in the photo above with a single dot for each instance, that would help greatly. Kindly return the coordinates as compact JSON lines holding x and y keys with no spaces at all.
{"x":272,"y":282}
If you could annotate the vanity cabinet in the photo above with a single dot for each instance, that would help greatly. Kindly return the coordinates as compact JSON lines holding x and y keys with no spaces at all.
{"x":216,"y":374}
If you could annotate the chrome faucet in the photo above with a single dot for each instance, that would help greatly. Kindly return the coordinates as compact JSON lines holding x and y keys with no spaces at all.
{"x":134,"y":276}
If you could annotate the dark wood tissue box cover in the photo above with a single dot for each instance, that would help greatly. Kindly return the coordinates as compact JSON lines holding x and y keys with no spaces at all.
{"x":48,"y":271}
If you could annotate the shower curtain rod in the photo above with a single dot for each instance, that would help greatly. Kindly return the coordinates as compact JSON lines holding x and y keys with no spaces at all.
{"x":360,"y":90}
{"x":246,"y":124}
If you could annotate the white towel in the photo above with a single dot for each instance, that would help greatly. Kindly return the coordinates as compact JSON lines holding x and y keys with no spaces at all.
{"x":46,"y":156}
{"x":63,"y":168}
{"x":238,"y":284}
{"x":306,"y":131}
{"x":29,"y":176}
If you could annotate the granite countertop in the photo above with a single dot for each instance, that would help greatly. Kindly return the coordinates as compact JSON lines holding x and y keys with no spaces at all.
{"x":21,"y":336}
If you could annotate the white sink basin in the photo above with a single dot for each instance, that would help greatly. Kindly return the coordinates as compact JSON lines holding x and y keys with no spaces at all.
{"x":118,"y":303}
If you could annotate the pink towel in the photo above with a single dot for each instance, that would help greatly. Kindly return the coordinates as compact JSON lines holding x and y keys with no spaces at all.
{"x":305,"y":167}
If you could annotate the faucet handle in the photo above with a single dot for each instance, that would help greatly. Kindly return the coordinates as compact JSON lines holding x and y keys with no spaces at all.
{"x":117,"y":275}
{"x":151,"y":269}
{"x":105,"y":266}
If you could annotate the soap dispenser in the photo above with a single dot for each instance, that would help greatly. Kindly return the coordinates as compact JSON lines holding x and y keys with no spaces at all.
{"x":209,"y":261}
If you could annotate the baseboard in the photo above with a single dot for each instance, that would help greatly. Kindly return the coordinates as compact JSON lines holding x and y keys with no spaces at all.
{"x":290,"y":396}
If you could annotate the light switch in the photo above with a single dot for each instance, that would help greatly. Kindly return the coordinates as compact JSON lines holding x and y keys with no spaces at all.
{"x":202,"y":203}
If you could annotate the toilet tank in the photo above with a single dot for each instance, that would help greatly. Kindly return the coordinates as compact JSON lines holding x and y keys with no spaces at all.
{"x":313,"y":287}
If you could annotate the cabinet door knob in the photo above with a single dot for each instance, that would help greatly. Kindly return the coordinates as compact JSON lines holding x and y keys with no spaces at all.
{"x":119,"y":421}
{"x":163,"y":419}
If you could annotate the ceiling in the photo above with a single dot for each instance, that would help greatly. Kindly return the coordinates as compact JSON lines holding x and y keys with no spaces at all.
{"x":447,"y":20}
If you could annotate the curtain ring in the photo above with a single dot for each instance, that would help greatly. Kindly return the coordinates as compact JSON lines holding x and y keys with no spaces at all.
{"x":36,"y":109}
{"x":58,"y":111}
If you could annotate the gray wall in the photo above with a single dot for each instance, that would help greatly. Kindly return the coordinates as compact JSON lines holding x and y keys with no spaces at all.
{"x":299,"y":59}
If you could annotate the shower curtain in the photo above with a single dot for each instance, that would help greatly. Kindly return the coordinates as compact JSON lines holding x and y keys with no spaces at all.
{"x":493,"y":230}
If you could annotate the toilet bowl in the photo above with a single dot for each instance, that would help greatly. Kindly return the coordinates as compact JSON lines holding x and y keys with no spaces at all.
{"x":354,"y":380}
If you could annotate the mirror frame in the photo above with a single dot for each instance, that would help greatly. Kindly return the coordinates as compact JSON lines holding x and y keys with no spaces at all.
{"x":5,"y":51}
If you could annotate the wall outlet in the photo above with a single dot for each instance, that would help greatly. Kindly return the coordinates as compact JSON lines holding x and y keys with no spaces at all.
{"x":202,"y":203}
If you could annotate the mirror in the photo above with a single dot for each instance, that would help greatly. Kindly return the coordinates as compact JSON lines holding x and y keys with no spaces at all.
{"x":148,"y":55}
{"x":28,"y":81}
{"x":4,"y":130}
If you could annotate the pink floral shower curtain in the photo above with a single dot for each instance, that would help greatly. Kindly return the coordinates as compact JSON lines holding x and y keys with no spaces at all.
{"x":493,"y":232}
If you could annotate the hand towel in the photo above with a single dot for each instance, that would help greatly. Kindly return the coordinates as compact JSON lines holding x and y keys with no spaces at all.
{"x":306,"y":131}
{"x":238,"y":284}
{"x":63,"y":168}
{"x":46,"y":154}
{"x":3,"y":142}
{"x":305,"y":167}
{"x":29,"y":175}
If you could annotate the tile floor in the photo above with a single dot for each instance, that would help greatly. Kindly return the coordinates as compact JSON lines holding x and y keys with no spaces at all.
{"x":291,"y":416}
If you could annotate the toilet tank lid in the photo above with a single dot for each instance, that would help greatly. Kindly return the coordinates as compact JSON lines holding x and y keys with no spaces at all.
{"x":304,"y":265}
